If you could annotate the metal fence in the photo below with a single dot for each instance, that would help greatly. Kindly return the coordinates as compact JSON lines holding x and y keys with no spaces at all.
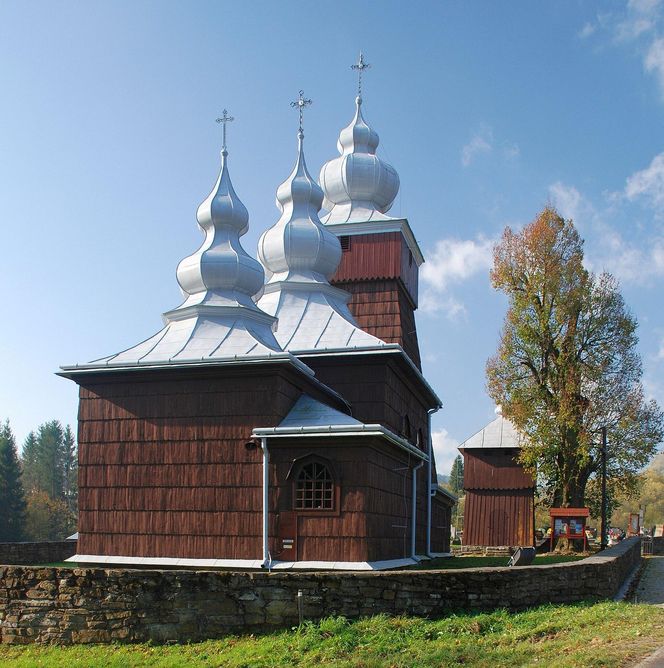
{"x":646,"y":545}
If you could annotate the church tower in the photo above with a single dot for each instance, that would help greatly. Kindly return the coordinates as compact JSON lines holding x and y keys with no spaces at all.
{"x":380,"y":256}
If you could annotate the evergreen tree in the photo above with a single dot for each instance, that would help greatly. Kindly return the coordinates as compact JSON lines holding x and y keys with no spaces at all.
{"x":50,"y":474}
{"x":44,"y":460}
{"x":29,"y":458}
{"x":456,"y":475}
{"x":70,"y":468}
{"x":12,"y":497}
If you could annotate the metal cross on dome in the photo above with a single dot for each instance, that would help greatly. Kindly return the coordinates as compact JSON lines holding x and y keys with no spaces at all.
{"x":301,"y":103}
{"x":360,"y":66}
{"x":224,"y":120}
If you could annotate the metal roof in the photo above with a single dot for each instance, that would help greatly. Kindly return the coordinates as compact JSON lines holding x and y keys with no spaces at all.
{"x":307,"y":412}
{"x":204,"y":336}
{"x":312,"y":419}
{"x":313,"y":317}
{"x":500,"y":433}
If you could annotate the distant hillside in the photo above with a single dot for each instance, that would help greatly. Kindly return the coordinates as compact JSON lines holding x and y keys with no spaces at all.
{"x":657,"y":463}
{"x":443,"y":479}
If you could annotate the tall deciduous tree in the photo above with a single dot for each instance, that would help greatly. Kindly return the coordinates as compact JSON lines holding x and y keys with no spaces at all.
{"x":567,"y":364}
{"x":12,"y":498}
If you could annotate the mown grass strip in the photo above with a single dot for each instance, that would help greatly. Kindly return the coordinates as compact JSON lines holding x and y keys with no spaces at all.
{"x":472,"y":561}
{"x":601,"y":634}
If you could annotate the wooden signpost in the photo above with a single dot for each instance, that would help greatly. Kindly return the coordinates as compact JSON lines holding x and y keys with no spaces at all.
{"x":569,"y":523}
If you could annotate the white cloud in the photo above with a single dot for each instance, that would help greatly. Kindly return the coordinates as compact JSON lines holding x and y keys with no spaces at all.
{"x":455,"y":260}
{"x":445,"y":450}
{"x":660,"y":352}
{"x":639,"y":23}
{"x":481,"y":142}
{"x":653,"y":388}
{"x":648,"y":182}
{"x":641,"y":17}
{"x":452,"y":261}
{"x":568,"y":201}
{"x":628,"y":262}
{"x":654,"y":61}
{"x":608,"y":249}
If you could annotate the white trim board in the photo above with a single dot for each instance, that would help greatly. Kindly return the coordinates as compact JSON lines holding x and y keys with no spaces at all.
{"x":243,"y":564}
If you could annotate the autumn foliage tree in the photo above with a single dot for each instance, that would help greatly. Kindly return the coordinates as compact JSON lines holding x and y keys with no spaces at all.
{"x":567,"y":365}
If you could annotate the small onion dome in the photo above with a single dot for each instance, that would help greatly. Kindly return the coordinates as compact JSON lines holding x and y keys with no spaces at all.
{"x":358,"y":185}
{"x":221,"y":271}
{"x":298,"y":247}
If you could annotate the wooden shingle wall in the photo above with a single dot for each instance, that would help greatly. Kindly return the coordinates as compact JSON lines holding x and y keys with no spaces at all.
{"x":498,"y":517}
{"x":163,"y":467}
{"x":499,"y":499}
{"x":374,"y":516}
{"x":378,"y":390}
{"x":380,"y":273}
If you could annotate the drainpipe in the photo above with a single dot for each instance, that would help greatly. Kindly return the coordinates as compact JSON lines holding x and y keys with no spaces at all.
{"x":429,"y":472}
{"x":266,"y":497}
{"x":413,"y":525}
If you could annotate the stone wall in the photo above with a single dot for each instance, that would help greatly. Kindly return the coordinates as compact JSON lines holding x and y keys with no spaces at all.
{"x":47,"y":552}
{"x":483,"y":550}
{"x":97,"y":605}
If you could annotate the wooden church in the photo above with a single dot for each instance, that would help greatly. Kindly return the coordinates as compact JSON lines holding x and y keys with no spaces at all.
{"x":500,"y":494}
{"x":280,"y":418}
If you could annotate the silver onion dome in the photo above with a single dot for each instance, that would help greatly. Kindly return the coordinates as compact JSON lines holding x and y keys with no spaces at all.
{"x":301,"y":256}
{"x":358,"y":185}
{"x":221,"y":271}
{"x":298,"y":247}
{"x":218,"y":318}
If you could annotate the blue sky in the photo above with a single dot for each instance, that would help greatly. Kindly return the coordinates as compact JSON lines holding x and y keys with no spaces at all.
{"x":488,"y":111}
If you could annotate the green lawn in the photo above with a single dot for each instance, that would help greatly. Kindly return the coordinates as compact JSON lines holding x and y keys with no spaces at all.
{"x":485,"y":562}
{"x":601,"y":634}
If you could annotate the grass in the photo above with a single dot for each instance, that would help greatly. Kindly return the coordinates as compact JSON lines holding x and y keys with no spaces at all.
{"x":490,"y":562}
{"x":601,"y":634}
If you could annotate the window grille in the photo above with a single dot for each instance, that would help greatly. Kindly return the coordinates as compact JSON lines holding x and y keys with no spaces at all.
{"x":314,"y":489}
{"x":345,"y":243}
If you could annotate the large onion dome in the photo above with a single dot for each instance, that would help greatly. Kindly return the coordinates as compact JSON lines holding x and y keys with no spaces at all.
{"x":218,"y":318}
{"x":221,"y":271}
{"x":301,"y":256}
{"x":298,"y":247}
{"x":358,"y":185}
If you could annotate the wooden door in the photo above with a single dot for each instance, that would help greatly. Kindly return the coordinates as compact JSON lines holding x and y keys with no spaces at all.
{"x":287,"y":536}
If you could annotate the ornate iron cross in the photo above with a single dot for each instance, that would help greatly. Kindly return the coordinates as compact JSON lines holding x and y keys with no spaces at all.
{"x":360,"y":66}
{"x":301,"y":103}
{"x":224,"y":120}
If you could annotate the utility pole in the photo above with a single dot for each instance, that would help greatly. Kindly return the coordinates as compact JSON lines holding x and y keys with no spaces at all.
{"x":603,"y":529}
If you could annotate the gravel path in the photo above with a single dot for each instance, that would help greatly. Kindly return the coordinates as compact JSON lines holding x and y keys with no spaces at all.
{"x":651,"y":585}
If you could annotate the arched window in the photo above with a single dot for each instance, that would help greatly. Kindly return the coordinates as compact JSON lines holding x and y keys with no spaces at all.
{"x":405,"y":428}
{"x":314,"y":487}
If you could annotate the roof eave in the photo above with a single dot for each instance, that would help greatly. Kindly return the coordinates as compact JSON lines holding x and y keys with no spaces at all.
{"x":327,"y":431}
